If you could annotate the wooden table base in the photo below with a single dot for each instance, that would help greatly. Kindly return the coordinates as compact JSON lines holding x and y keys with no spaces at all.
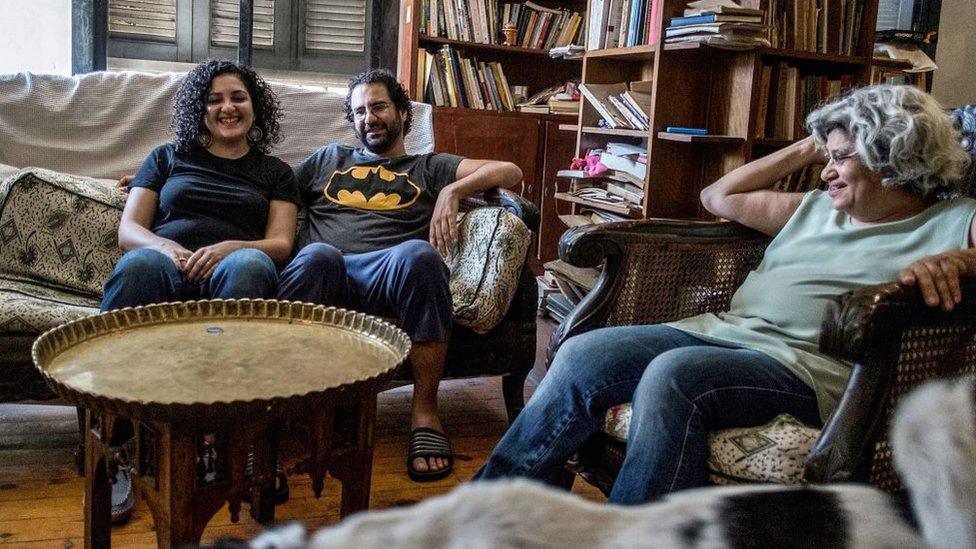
{"x":185,"y":482}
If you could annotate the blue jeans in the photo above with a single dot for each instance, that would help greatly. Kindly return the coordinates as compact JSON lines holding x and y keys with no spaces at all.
{"x":145,"y":276}
{"x":408,"y":281}
{"x":681,"y":388}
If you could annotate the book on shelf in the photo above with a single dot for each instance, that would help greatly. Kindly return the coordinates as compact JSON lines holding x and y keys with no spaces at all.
{"x":790,"y":97}
{"x":627,"y":191}
{"x":716,"y":28}
{"x":620,"y":23}
{"x":624,"y":164}
{"x":583,"y":277}
{"x":481,"y":21}
{"x":456,"y":81}
{"x":727,"y":7}
{"x":620,"y":105}
{"x":714,"y":18}
{"x":824,"y":26}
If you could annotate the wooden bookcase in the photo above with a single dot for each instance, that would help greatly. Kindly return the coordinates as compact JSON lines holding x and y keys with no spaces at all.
{"x":532,"y":141}
{"x":706,"y":87}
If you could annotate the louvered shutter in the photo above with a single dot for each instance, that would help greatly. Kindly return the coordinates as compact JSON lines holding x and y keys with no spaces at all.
{"x":335,"y":25}
{"x":225,"y":23}
{"x":895,"y":14}
{"x":154,"y":19}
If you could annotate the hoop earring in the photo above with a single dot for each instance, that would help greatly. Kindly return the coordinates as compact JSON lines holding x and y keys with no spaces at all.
{"x":255,"y":134}
{"x":204,"y":139}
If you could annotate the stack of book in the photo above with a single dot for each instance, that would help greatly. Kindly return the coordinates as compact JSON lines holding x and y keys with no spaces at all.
{"x":558,"y":99}
{"x":562,"y":286}
{"x":825,"y":26}
{"x":621,"y":105}
{"x":482,"y":21}
{"x":623,"y":23}
{"x":451,"y":80}
{"x":720,"y":23}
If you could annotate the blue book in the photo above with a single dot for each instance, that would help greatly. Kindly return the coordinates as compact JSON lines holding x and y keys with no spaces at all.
{"x":714,"y":18}
{"x":686,"y":131}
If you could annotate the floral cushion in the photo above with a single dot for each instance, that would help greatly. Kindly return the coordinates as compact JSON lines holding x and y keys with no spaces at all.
{"x":486,"y":268}
{"x":59,"y":229}
{"x":774,"y":452}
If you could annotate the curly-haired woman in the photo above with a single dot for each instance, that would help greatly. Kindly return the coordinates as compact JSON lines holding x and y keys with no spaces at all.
{"x":891,"y":157}
{"x":210,"y":214}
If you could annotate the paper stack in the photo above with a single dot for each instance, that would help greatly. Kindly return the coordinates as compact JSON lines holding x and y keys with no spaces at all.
{"x":719,"y":23}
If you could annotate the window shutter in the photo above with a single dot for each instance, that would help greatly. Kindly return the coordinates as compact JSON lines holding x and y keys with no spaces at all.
{"x":335,"y":25}
{"x":895,"y":14}
{"x":225,"y":17}
{"x":154,"y":19}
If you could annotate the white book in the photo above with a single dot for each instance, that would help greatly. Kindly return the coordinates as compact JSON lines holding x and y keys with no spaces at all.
{"x":613,"y":24}
{"x":624,"y":164}
{"x":595,"y":37}
{"x":716,"y":28}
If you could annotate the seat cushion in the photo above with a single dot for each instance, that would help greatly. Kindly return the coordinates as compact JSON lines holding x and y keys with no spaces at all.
{"x":485,"y":270}
{"x":774,"y":452}
{"x":28,"y":307}
{"x":59,"y":229}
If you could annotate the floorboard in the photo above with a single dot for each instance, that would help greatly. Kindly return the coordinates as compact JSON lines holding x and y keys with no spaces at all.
{"x":40,"y":493}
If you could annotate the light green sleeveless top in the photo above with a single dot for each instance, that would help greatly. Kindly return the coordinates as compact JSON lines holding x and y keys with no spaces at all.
{"x":817,"y":256}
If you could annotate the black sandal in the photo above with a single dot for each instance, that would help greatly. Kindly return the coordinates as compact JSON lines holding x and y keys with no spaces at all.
{"x":429,"y":443}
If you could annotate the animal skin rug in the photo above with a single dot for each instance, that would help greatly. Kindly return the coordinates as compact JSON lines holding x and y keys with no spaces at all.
{"x":934,"y":437}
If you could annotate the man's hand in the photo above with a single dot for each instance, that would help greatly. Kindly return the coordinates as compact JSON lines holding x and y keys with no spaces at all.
{"x":937,"y":276}
{"x":204,"y":261}
{"x":443,"y":222}
{"x":123,"y":184}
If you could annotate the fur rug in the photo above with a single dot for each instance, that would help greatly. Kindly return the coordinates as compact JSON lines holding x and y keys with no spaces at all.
{"x":934,"y":437}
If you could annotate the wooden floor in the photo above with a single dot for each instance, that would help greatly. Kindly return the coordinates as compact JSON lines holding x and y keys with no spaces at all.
{"x":40,"y":493}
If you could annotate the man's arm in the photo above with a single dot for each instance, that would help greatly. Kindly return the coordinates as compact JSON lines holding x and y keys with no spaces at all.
{"x":472,"y":176}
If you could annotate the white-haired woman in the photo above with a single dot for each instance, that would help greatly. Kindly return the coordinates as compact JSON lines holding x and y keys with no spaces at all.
{"x":892,"y":157}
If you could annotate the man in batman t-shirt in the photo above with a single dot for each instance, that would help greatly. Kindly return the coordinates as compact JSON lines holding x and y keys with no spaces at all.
{"x":379,"y":222}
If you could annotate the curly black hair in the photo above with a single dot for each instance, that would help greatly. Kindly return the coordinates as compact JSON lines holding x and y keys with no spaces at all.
{"x":393,"y":87}
{"x":190,"y":105}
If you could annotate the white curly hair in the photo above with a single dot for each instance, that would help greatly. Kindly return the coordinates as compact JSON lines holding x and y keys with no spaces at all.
{"x":900,"y":132}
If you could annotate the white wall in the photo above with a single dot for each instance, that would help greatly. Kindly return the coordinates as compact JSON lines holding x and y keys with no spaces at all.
{"x":954,"y":82}
{"x":36,"y":36}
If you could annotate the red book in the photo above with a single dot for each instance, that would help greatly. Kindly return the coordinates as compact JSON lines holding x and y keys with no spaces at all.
{"x":654,"y":21}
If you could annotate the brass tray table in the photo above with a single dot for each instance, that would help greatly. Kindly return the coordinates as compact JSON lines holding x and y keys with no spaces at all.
{"x":206,"y":382}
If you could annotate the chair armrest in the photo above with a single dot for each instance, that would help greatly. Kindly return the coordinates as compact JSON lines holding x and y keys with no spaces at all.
{"x":524,"y":209}
{"x":656,"y":271}
{"x":895,"y":342}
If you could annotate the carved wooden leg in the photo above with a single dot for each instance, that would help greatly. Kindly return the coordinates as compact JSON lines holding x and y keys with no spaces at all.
{"x":320,"y":425}
{"x":98,"y":487}
{"x":265,"y":447}
{"x":180,"y":510}
{"x":359,"y":465}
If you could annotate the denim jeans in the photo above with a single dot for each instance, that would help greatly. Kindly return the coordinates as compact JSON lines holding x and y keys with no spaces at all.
{"x":681,"y":388}
{"x":145,"y":276}
{"x":408,"y":281}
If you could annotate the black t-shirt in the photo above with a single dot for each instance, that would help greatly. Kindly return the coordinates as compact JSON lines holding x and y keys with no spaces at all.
{"x":361,"y":202}
{"x":205,"y":199}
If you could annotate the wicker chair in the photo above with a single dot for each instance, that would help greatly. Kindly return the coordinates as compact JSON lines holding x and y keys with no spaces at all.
{"x":660,"y":270}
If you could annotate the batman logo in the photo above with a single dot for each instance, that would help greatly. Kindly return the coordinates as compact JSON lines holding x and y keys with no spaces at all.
{"x":371,"y":188}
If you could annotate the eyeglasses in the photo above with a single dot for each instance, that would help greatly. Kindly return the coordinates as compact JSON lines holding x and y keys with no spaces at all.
{"x":375,"y":109}
{"x":838,"y":159}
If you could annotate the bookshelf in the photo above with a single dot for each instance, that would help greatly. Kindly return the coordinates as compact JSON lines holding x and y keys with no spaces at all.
{"x":532,"y":141}
{"x":738,"y":96}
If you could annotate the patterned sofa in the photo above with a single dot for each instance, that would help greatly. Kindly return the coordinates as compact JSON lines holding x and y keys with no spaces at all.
{"x":58,"y":238}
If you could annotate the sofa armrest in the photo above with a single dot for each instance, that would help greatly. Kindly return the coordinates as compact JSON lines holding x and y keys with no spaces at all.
{"x":656,"y":271}
{"x":522,"y":208}
{"x":895,"y":342}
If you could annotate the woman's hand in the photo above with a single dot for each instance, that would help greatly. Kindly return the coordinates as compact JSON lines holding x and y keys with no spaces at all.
{"x":937,"y":276}
{"x":204,"y":261}
{"x":123,"y":184}
{"x":174,"y":251}
{"x":443,"y":222}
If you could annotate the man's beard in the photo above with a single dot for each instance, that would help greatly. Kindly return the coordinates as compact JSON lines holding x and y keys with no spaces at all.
{"x":383,"y":144}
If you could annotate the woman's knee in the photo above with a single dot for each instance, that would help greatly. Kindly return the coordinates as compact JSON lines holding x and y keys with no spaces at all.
{"x":143,"y":263}
{"x":249,"y":262}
